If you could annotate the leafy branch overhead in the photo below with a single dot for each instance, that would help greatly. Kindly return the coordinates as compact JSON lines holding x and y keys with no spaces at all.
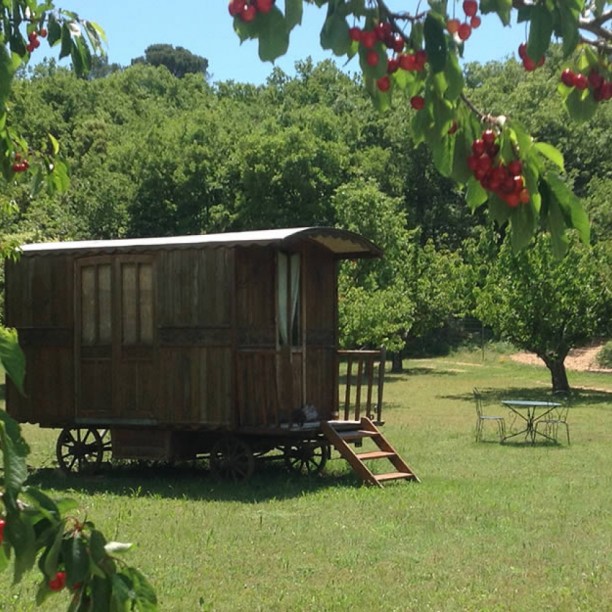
{"x":24,"y":25}
{"x":410,"y":52}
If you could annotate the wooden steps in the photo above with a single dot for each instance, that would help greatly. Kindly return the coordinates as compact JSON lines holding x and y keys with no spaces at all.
{"x":341,"y":434}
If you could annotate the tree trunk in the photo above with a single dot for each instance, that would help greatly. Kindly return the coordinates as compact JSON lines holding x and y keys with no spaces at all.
{"x":558,"y":375}
{"x":396,"y":363}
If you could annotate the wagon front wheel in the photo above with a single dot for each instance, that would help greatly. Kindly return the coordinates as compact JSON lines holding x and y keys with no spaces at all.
{"x":80,"y":450}
{"x":232,"y":459}
{"x":307,"y":458}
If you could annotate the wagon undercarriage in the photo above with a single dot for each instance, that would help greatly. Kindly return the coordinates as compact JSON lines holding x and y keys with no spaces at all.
{"x":232,"y":456}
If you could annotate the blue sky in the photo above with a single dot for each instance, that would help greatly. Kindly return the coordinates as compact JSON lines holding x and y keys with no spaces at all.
{"x":204,"y":27}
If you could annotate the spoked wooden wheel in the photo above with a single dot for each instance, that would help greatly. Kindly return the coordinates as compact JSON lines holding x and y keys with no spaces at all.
{"x":81,"y":450}
{"x":232,"y":459}
{"x":307,"y":458}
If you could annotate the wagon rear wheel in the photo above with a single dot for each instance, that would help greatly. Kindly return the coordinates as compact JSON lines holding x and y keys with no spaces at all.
{"x":80,"y":450}
{"x":307,"y":458}
{"x":231,"y":458}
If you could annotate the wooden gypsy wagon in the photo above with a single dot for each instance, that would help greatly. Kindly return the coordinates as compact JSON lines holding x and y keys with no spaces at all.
{"x":223,"y":346}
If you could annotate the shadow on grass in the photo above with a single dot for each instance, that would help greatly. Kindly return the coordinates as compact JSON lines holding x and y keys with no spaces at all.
{"x":271,"y":480}
{"x":579,"y":397}
{"x":418,"y":371}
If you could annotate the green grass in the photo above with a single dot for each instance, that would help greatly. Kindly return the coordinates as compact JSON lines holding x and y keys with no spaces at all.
{"x":490,"y":527}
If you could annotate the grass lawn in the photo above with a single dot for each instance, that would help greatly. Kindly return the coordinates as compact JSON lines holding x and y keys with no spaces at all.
{"x":490,"y":527}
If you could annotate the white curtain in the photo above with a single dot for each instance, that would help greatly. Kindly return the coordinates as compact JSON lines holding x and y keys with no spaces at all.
{"x":288,"y":295}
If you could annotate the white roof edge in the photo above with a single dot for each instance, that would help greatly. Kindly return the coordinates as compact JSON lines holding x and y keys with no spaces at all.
{"x":355,"y":244}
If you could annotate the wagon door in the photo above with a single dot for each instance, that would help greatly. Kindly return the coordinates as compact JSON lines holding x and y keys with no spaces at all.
{"x":115,"y":340}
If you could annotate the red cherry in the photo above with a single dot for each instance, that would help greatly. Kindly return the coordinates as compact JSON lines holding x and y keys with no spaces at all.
{"x":417,"y":102}
{"x":384,"y":83}
{"x":470,"y":7}
{"x":479,"y":147}
{"x":522,"y":51}
{"x":42,"y":32}
{"x":515,"y":167}
{"x":489,"y":136}
{"x":529,"y":64}
{"x":58,"y":582}
{"x":407,"y":61}
{"x":524,"y":196}
{"x":606,"y":90}
{"x":518,"y":184}
{"x":368,"y":39}
{"x":236,"y":7}
{"x":475,"y":22}
{"x":398,"y":43}
{"x":372,"y":58}
{"x":383,"y":30}
{"x":452,"y":25}
{"x":465,"y":31}
{"x":2,"y":525}
{"x":420,"y":59}
{"x":264,"y":6}
{"x":568,"y":77}
{"x":355,"y":34}
{"x":249,"y":13}
{"x":581,"y":81}
{"x":595,"y":79}
{"x":512,"y":199}
{"x":392,"y":65}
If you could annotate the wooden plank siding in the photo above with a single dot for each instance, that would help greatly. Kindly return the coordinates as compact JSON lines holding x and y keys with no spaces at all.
{"x":320,"y":299}
{"x":38,"y":301}
{"x":172,"y":337}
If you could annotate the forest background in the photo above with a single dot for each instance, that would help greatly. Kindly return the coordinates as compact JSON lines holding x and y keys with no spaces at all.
{"x":155,"y":149}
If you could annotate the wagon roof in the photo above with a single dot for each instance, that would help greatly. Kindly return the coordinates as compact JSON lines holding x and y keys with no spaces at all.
{"x":343,"y":243}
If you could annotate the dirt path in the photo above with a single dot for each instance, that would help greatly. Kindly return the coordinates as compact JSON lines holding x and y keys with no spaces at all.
{"x":580,"y":359}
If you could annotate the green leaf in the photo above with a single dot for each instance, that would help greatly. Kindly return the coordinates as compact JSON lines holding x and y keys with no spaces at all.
{"x":556,"y":228}
{"x":101,"y":594}
{"x":443,"y":152}
{"x":503,"y":8}
{"x":4,"y":560}
{"x":570,"y":205}
{"x":58,"y":180}
{"x":12,"y":357}
{"x":7,"y":71}
{"x":66,"y":42}
{"x":435,"y":43}
{"x":335,"y":34}
{"x":293,"y":13}
{"x":540,"y":32}
{"x":52,"y":553}
{"x":76,"y":558}
{"x":523,"y":224}
{"x":551,"y":153}
{"x":581,"y":105}
{"x":569,"y":21}
{"x":273,"y":35}
{"x":20,"y":533}
{"x":145,"y":594}
{"x":476,"y":195}
{"x":54,"y":31}
{"x":454,"y":77}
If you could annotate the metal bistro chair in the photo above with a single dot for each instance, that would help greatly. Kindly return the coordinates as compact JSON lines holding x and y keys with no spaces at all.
{"x":558,"y":417}
{"x":481,"y":418}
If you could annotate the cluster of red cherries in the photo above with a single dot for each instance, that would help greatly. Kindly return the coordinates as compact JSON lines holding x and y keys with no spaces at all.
{"x":472,"y":21}
{"x":20,"y":164}
{"x":528,"y":64}
{"x":600,"y":87}
{"x":33,"y":42}
{"x":383,"y":33}
{"x":504,"y":180}
{"x":247,"y":10}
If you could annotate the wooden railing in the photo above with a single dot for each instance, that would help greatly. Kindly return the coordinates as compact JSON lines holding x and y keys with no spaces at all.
{"x":361,"y":378}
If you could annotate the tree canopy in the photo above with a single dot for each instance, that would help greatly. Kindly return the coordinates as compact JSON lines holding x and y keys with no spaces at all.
{"x":413,"y":53}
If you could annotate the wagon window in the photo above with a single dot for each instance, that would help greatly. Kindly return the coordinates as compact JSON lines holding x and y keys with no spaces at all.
{"x":288,"y":299}
{"x":96,"y":304}
{"x":137,"y":303}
